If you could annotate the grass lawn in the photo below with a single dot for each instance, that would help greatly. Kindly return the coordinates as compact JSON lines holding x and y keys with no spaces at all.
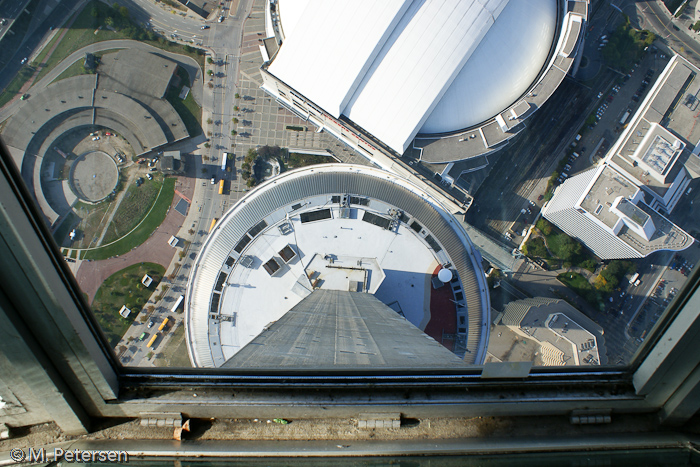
{"x":75,"y":69}
{"x":580,"y":285}
{"x":16,"y":84}
{"x":302,"y":160}
{"x":189,"y":111}
{"x":536,"y":247}
{"x":91,"y":222}
{"x":85,"y":31}
{"x":124,"y":288}
{"x":151,"y":222}
{"x":135,"y":204}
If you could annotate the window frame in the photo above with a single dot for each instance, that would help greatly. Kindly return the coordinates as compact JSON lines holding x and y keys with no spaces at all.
{"x":42,"y":305}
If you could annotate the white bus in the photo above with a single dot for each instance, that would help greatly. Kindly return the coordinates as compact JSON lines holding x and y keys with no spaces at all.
{"x":177,"y":303}
{"x":624,"y":118}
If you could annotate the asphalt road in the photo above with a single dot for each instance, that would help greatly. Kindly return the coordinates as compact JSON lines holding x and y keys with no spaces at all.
{"x":223,"y":40}
{"x":35,"y":37}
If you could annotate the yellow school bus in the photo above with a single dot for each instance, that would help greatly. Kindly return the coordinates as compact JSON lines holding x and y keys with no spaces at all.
{"x":163,"y":324}
{"x":213,"y":223}
{"x":153,"y":339}
{"x":221,"y":187}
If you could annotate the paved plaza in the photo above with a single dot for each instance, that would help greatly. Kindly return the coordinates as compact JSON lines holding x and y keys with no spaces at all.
{"x":94,"y":176}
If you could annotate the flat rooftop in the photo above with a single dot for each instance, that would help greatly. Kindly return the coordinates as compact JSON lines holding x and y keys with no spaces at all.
{"x":601,"y":195}
{"x":333,"y":254}
{"x":566,"y":336}
{"x":669,"y":113}
{"x":308,"y":230}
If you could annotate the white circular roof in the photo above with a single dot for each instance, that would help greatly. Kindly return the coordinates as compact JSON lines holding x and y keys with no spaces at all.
{"x":501,"y":69}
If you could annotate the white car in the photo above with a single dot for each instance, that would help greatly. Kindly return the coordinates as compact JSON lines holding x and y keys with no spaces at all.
{"x":221,"y":18}
{"x":149,"y":176}
{"x":96,"y":138}
{"x":213,"y":180}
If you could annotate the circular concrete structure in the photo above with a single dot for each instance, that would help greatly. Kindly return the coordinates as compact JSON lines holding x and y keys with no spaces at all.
{"x":94,"y":176}
{"x":338,"y":227}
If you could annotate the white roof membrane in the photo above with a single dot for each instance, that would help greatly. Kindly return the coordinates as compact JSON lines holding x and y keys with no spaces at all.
{"x":400,"y":67}
{"x":332,"y":45}
{"x":503,"y":67}
{"x":420,"y":60}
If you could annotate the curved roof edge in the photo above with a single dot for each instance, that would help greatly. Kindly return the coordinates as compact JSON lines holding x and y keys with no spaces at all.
{"x":267,"y":197}
{"x":482,"y":138}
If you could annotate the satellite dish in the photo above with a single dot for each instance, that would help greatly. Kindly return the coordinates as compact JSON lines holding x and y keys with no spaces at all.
{"x":445,"y":275}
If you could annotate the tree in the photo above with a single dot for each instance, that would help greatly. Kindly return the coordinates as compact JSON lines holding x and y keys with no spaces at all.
{"x":207,"y":145}
{"x":236,"y":108}
{"x":234,"y":120}
{"x":210,"y":60}
{"x":109,"y":21}
{"x":210,"y":72}
{"x":191,"y":231}
{"x":234,"y":132}
{"x":237,"y":96}
{"x":230,"y":156}
{"x":544,"y":226}
{"x":181,"y":254}
{"x":210,"y":121}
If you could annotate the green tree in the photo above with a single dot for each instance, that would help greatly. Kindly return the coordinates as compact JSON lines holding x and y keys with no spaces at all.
{"x":210,"y":60}
{"x":544,"y":226}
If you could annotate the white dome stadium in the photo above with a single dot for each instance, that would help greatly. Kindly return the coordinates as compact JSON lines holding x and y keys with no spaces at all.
{"x":503,"y":67}
{"x":402,"y":67}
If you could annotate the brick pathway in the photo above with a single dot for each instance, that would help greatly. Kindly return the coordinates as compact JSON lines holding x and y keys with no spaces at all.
{"x":91,"y":274}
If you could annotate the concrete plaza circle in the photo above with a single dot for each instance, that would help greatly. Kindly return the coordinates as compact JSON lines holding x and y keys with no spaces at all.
{"x":94,"y":176}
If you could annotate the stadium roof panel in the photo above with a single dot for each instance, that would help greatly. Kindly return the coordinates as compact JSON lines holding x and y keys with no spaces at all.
{"x":333,"y":46}
{"x":398,"y":68}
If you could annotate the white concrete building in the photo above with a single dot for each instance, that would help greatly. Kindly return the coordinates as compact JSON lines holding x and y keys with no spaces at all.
{"x":616,"y":209}
{"x":605,"y":210}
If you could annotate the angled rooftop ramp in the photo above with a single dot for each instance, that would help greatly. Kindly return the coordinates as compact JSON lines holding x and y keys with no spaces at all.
{"x":332,"y":329}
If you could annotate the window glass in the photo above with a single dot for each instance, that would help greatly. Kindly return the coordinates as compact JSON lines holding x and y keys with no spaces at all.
{"x":175,"y":153}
